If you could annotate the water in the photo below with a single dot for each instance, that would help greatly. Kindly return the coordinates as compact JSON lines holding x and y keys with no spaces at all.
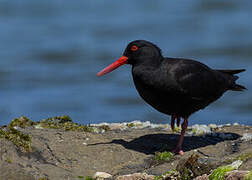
{"x":50,"y":52}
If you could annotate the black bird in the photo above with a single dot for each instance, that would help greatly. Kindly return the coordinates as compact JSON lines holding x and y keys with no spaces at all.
{"x":174,"y":86}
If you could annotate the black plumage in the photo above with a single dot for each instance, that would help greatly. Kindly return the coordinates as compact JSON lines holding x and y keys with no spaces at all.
{"x":174,"y":86}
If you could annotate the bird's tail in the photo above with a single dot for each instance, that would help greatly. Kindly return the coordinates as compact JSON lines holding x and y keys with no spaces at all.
{"x":231,"y":71}
{"x":234,"y":87}
{"x":238,"y":87}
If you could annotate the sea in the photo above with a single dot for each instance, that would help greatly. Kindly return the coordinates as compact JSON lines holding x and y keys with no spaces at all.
{"x":51,"y":50}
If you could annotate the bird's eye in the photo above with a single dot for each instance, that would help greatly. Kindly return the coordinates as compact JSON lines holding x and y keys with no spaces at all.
{"x":134,"y":48}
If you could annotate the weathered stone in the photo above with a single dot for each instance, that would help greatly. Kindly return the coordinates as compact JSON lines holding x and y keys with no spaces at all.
{"x":246,"y":137}
{"x":194,"y":166}
{"x":102,"y":175}
{"x":235,"y":175}
{"x":136,"y":176}
{"x":79,"y":152}
{"x":203,"y":177}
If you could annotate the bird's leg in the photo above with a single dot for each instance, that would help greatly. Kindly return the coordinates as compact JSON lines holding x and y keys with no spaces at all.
{"x":178,"y":120}
{"x":173,"y":117}
{"x":178,"y":148}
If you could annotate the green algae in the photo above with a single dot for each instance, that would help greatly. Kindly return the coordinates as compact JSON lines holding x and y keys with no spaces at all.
{"x":186,"y":174}
{"x":8,"y":160}
{"x":133,"y":124}
{"x":177,"y":129}
{"x":244,"y":157}
{"x":167,"y":174}
{"x":59,"y":119}
{"x":248,"y":176}
{"x":57,"y":122}
{"x":86,"y":177}
{"x":16,"y":137}
{"x":194,"y":131}
{"x":130,"y":125}
{"x":193,"y":166}
{"x":65,"y":123}
{"x":22,"y":122}
{"x":43,"y":178}
{"x":219,"y":173}
{"x":104,"y":127}
{"x":163,"y":156}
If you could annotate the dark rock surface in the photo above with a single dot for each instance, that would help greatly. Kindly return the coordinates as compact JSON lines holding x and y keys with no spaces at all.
{"x":59,"y":154}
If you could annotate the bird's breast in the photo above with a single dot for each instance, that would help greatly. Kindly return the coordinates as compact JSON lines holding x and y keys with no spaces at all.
{"x":150,"y":91}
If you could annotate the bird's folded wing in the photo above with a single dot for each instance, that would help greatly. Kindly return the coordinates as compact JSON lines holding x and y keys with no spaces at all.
{"x":199,"y":82}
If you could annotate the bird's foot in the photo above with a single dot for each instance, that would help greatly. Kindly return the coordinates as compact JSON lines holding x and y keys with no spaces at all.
{"x":178,"y":151}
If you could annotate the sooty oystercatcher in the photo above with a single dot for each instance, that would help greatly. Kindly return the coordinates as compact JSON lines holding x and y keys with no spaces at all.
{"x":174,"y":86}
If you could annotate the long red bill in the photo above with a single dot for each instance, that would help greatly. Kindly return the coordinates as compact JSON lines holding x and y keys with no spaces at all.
{"x":113,"y":66}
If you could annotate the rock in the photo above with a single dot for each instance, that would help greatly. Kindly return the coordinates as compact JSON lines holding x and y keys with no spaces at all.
{"x":136,"y":176}
{"x":12,"y":172}
{"x":115,"y":126}
{"x":103,"y":175}
{"x":246,"y":137}
{"x":194,"y":166}
{"x":199,"y":130}
{"x":212,"y":126}
{"x":203,"y":177}
{"x":235,"y":175}
{"x":222,"y":171}
{"x":236,"y":164}
{"x":67,"y":150}
{"x":236,"y":124}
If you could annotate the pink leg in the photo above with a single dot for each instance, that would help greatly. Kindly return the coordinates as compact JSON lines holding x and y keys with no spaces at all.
{"x":173,"y":117}
{"x":178,"y":148}
{"x":178,"y":120}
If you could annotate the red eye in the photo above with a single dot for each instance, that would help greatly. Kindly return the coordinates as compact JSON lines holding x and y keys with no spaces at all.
{"x":134,"y":48}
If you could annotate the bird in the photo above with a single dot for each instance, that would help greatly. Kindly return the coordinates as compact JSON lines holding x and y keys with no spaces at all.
{"x":174,"y":86}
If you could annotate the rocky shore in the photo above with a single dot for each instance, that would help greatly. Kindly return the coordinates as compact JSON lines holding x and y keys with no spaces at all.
{"x":56,"y":148}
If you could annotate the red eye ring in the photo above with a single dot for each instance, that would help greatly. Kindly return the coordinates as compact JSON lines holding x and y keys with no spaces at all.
{"x":134,"y":48}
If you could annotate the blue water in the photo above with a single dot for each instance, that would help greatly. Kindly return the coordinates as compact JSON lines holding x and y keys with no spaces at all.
{"x":50,"y":52}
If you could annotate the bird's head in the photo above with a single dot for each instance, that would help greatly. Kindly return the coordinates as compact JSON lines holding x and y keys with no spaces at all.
{"x":137,"y":52}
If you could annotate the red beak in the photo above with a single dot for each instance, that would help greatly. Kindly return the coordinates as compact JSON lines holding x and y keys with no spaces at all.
{"x":113,"y":66}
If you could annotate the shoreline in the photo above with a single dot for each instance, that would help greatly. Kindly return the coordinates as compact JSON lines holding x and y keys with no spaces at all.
{"x":57,"y":148}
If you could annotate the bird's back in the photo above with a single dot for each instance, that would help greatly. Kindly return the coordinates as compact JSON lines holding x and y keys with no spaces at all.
{"x":182,"y":86}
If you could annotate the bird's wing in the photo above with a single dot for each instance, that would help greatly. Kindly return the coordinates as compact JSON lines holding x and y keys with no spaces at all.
{"x":198,"y":81}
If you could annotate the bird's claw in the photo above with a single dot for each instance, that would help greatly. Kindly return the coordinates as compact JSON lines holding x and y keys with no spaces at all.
{"x":178,"y":151}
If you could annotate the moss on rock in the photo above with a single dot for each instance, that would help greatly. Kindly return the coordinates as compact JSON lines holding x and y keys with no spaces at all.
{"x":163,"y":156}
{"x":65,"y":123}
{"x":172,"y":174}
{"x":22,"y":122}
{"x":220,"y":172}
{"x":248,"y":176}
{"x":16,"y":137}
{"x":193,"y":166}
{"x":244,"y":157}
